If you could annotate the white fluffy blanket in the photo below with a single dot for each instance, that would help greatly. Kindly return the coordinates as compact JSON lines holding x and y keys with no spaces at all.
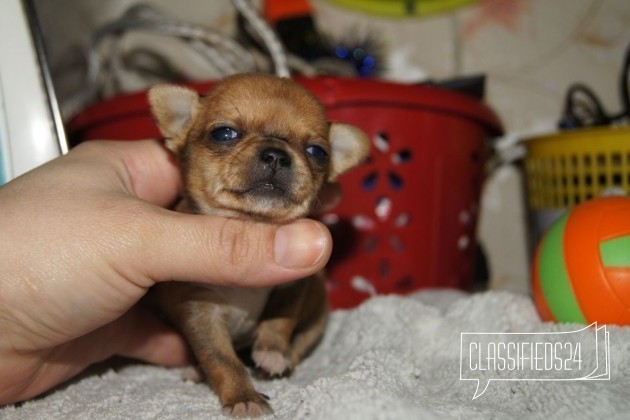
{"x":391,"y":358}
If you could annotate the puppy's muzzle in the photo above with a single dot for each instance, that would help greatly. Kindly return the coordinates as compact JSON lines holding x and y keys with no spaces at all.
{"x":271,"y":174}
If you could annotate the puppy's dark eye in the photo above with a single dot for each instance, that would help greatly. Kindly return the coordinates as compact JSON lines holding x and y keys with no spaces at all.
{"x":317,"y":152}
{"x":224,"y":134}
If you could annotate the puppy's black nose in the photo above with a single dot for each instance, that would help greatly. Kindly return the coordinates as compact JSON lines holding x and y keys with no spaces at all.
{"x":275,"y":158}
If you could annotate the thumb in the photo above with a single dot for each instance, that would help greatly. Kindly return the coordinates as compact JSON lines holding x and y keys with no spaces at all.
{"x":233,"y":252}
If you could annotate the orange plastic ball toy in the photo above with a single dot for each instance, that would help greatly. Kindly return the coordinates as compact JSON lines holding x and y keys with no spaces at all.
{"x":581,"y":269}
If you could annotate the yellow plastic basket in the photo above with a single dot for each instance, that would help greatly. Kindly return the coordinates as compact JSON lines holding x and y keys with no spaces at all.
{"x":565,"y":169}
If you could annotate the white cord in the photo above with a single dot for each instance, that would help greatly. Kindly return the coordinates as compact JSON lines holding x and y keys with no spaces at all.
{"x":106,"y":69}
{"x":269,"y":37}
{"x":104,"y":65}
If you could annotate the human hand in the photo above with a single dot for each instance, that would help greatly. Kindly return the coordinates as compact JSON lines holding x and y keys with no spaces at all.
{"x":86,"y":235}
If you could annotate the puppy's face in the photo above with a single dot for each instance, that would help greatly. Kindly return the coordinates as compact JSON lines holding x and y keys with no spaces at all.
{"x":256,"y":146}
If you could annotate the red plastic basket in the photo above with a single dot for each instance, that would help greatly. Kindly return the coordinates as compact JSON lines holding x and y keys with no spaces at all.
{"x":408,"y":217}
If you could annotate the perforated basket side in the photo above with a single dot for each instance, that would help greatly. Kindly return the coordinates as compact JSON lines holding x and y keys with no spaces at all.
{"x":408,"y":217}
{"x":569,"y":168}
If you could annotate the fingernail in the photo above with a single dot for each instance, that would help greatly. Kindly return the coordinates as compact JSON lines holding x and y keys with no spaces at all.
{"x":300,"y":244}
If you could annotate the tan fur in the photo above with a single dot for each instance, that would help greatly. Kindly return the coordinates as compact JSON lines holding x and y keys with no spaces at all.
{"x":264,"y":175}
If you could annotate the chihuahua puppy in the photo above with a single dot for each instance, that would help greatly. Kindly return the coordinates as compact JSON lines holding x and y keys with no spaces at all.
{"x":256,"y":147}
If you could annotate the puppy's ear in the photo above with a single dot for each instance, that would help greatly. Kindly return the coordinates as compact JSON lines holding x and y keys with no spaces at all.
{"x":174,"y":108}
{"x":349,"y":147}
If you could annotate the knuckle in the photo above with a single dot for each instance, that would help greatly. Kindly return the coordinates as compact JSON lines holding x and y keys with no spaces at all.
{"x":237,"y":248}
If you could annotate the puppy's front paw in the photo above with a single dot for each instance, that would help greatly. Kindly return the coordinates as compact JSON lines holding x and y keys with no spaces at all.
{"x":192,"y":374}
{"x":252,"y":407}
{"x":272,"y":362}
